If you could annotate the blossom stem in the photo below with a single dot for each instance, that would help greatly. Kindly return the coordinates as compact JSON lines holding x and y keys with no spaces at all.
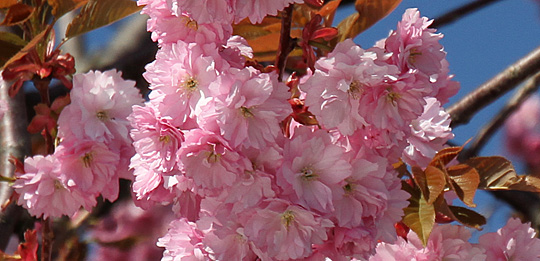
{"x":48,"y":236}
{"x":285,"y":43}
{"x":463,"y":110}
{"x":487,"y":132}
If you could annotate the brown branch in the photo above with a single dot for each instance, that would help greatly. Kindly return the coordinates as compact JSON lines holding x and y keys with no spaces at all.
{"x":14,"y":141}
{"x":463,"y":110}
{"x":284,"y":41}
{"x":460,"y":12}
{"x":487,"y":132}
{"x":47,"y":235}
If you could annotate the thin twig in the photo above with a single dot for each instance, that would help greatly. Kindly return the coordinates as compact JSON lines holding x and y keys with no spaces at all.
{"x":463,"y":110}
{"x":460,"y":12}
{"x":284,"y":41}
{"x":487,"y":132}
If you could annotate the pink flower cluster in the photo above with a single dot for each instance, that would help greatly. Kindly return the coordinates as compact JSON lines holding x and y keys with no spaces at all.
{"x":515,"y":241}
{"x":523,"y":132}
{"x":209,"y":140}
{"x":93,"y":153}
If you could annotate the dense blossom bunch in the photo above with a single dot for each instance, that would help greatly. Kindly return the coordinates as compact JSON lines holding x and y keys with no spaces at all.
{"x":93,"y":153}
{"x":208,"y":141}
{"x":515,"y":241}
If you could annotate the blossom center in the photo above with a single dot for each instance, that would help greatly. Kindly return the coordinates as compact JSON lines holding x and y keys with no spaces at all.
{"x":392,"y":96}
{"x":190,"y":84}
{"x":355,"y":90}
{"x":308,"y":174}
{"x":87,"y":159}
{"x":165,"y":139}
{"x":412,"y":55}
{"x":348,"y":188}
{"x":58,"y":185}
{"x":102,"y":115}
{"x":190,"y":23}
{"x":287,"y":218}
{"x":246,"y":112}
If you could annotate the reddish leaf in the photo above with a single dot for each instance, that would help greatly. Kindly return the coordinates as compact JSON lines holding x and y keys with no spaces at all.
{"x":315,"y":3}
{"x":17,"y":14}
{"x":468,"y":217}
{"x":498,"y":173}
{"x":61,"y":7}
{"x":59,"y":103}
{"x":42,"y":119}
{"x":328,"y":11}
{"x":327,"y":33}
{"x":368,"y":13}
{"x":462,"y":215}
{"x":98,"y":13}
{"x":28,"y":249}
{"x":465,"y":180}
{"x":28,"y":47}
{"x":7,"y":3}
{"x":419,"y":177}
{"x":10,"y":44}
{"x":436,"y":182}
{"x":444,"y":156}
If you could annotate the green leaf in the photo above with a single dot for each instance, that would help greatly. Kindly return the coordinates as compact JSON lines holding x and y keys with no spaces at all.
{"x":98,"y":13}
{"x":10,"y":44}
{"x":419,"y":215}
{"x":61,"y":7}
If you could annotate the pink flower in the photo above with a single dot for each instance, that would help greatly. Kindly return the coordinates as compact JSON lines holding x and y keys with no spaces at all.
{"x":129,"y":224}
{"x":100,"y":104}
{"x":45,"y":192}
{"x":88,"y":165}
{"x":430,"y":132}
{"x":230,"y":244}
{"x":313,"y":168}
{"x":204,"y":11}
{"x":416,"y":49}
{"x":183,"y":241}
{"x":182,"y":78}
{"x":341,"y":79}
{"x":210,"y":162}
{"x":446,"y":242}
{"x":250,"y":114}
{"x":416,"y":46}
{"x":156,"y":140}
{"x":168,"y":27}
{"x":515,"y":241}
{"x":149,"y":184}
{"x":283,"y":231}
{"x":523,"y":131}
{"x":256,"y":10}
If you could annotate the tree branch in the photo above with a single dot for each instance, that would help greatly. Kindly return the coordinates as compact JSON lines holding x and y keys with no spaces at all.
{"x":14,"y":141}
{"x":463,"y":110}
{"x":487,"y":132}
{"x":460,"y":12}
